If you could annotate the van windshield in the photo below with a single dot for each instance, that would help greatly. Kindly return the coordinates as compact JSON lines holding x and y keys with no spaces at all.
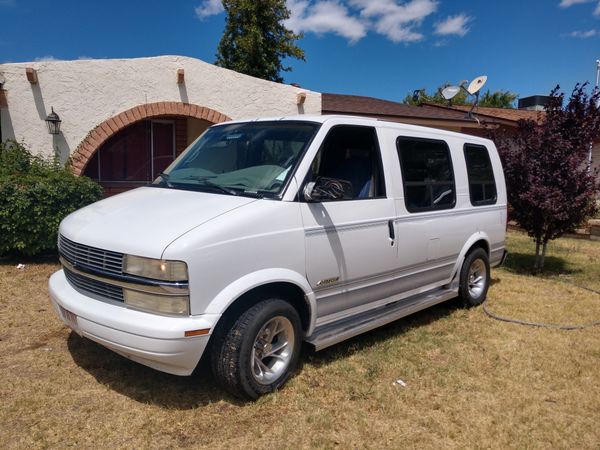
{"x":252,"y":158}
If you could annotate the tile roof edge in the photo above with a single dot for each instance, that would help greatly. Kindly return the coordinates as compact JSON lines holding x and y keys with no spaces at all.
{"x":487,"y":115}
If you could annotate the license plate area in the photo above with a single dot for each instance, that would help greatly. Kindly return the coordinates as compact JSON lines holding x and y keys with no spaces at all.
{"x":69,"y":318}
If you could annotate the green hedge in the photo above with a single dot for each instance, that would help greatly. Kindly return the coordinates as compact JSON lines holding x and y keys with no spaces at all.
{"x":35,"y":195}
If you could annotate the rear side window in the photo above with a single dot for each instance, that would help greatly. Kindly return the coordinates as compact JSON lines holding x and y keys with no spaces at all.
{"x":428,"y":175}
{"x":482,"y":186}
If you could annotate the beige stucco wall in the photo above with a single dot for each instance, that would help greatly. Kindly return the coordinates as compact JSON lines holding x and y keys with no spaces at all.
{"x":86,"y":92}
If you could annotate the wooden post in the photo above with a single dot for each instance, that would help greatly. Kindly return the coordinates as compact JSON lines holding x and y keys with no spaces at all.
{"x":32,"y":75}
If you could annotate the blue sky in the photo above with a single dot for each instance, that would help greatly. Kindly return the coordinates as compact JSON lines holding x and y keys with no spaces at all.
{"x":380,"y":48}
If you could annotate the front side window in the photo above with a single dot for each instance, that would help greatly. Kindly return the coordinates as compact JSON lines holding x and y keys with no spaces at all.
{"x":253,"y":158}
{"x":350,"y":154}
{"x":482,"y":186}
{"x":428,"y":175}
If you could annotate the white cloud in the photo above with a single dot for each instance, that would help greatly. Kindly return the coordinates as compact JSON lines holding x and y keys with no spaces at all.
{"x":584,"y":34}
{"x":568,"y":3}
{"x":209,"y":8}
{"x":46,"y":58}
{"x":453,"y":25}
{"x":405,"y":12}
{"x":325,"y":17}
{"x":397,"y":20}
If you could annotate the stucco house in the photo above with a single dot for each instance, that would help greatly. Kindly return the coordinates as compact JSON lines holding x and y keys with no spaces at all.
{"x":124,"y":120}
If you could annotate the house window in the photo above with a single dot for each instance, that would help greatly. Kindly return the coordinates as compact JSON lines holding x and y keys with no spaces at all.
{"x":136,"y":154}
{"x":482,"y":186}
{"x":427,"y":172}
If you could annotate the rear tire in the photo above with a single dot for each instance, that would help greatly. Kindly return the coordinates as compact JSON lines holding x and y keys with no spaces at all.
{"x":258,"y":352}
{"x":474,"y":278}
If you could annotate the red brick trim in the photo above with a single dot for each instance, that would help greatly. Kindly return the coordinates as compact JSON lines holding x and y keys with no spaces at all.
{"x":92,"y":142}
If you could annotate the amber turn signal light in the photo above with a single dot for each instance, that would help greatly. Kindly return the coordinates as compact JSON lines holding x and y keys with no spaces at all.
{"x":197,"y":332}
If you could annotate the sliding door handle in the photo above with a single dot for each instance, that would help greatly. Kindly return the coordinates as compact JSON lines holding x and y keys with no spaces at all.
{"x":392,"y":231}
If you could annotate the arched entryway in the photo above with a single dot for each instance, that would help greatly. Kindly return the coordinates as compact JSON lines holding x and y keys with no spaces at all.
{"x":132,"y":148}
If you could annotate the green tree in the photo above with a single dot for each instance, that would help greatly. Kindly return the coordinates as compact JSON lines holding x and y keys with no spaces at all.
{"x":255,"y":40}
{"x":498,"y":99}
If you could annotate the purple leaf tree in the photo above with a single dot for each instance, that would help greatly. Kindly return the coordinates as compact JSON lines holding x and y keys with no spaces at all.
{"x":551,"y":187}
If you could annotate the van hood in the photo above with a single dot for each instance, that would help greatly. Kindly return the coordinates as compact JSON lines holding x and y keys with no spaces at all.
{"x":146,"y":220}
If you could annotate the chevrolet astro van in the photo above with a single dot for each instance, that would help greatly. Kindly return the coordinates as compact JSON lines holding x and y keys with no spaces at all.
{"x":270,"y":232}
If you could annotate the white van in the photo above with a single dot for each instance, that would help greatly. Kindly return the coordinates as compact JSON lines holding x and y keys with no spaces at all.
{"x":267,"y":233}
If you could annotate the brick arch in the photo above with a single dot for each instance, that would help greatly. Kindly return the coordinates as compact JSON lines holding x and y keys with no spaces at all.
{"x":99,"y":135}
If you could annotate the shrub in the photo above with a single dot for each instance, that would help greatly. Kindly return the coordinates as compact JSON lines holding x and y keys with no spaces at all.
{"x":550,"y":188}
{"x":35,"y":195}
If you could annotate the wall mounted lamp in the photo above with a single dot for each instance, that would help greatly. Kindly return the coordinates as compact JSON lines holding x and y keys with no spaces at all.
{"x":53,"y":121}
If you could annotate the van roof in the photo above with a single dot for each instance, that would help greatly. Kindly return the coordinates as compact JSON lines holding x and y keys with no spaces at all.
{"x":360,"y":120}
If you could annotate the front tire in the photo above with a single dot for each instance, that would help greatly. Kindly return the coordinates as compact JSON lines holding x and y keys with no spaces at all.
{"x":474,"y":278}
{"x":258,"y":352}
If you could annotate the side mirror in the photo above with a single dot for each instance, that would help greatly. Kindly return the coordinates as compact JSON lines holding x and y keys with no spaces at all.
{"x":324,"y":188}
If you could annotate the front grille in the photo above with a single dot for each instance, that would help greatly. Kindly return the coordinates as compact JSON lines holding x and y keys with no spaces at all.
{"x":90,"y":257}
{"x":89,"y":285}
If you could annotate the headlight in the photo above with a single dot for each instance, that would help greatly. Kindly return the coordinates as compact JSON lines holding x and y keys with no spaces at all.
{"x":156,"y":269}
{"x":164,"y":304}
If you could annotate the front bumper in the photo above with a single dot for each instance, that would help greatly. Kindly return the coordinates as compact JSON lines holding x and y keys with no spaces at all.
{"x":150,"y":339}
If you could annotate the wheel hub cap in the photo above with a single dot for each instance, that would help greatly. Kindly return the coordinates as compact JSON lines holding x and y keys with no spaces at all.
{"x":477,"y":278}
{"x":272,"y":350}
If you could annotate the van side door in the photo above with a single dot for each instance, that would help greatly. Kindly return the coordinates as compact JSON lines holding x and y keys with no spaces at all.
{"x":425,"y":226}
{"x":350,"y":241}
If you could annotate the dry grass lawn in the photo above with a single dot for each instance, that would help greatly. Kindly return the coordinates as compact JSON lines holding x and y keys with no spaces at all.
{"x":471,"y":382}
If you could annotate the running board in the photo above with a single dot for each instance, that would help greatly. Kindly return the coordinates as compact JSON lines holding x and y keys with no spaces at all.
{"x":343,"y":329}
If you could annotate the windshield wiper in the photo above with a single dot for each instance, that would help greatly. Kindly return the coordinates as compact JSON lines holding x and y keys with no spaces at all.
{"x":205,"y":181}
{"x":165,"y":178}
{"x":226,"y":190}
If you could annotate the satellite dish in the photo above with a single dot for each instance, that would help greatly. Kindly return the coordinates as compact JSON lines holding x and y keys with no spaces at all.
{"x":450,"y":92}
{"x":476,"y":84}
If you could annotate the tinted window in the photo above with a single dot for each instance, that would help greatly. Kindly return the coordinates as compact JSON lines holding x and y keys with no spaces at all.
{"x":428,"y":176}
{"x":351,"y":153}
{"x":482,"y":187}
